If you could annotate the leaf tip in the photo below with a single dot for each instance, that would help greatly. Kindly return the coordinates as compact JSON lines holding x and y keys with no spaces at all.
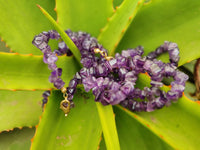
{"x":38,"y":6}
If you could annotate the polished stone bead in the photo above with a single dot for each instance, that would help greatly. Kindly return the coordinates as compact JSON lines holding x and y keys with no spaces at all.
{"x":59,"y":83}
{"x":127,"y":88}
{"x":116,"y":97}
{"x":89,"y":83}
{"x":73,"y":83}
{"x":46,"y":94}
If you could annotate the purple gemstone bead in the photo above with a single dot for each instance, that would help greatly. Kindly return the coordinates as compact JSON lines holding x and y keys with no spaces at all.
{"x":181,"y":77}
{"x":100,"y":81}
{"x":54,"y":34}
{"x":93,"y":42}
{"x":169,"y":70}
{"x":106,"y":82}
{"x":159,"y":51}
{"x":73,"y":83}
{"x":131,"y":65}
{"x":177,"y":87}
{"x":140,"y":62}
{"x":124,"y":103}
{"x":59,"y":71}
{"x":148,"y":64}
{"x":71,"y":90}
{"x":37,"y":40}
{"x":156,"y":83}
{"x":47,"y":50}
{"x":101,"y":70}
{"x":83,"y":73}
{"x":150,"y":107}
{"x":87,"y":62}
{"x":122,"y":72}
{"x":59,"y":83}
{"x":116,"y":97}
{"x":159,"y":102}
{"x":86,"y":44}
{"x":62,"y":47}
{"x":172,"y":95}
{"x":112,"y":64}
{"x":52,"y":58}
{"x":89,"y":83}
{"x":155,"y":69}
{"x":121,"y":62}
{"x":46,"y":94}
{"x":115,"y":86}
{"x":52,"y":66}
{"x":53,"y":77}
{"x":97,"y":93}
{"x":78,"y":77}
{"x":151,"y":55}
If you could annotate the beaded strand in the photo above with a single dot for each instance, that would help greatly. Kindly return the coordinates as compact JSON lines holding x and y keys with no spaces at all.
{"x":112,"y":79}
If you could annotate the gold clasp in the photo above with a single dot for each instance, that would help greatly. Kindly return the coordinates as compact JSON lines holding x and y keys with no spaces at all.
{"x":65,"y":104}
{"x":102,"y":53}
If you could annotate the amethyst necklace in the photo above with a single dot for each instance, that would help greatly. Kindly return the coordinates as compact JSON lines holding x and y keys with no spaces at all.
{"x":112,"y":79}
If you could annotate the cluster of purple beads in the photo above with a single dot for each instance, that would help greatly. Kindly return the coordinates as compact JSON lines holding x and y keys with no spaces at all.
{"x":113,"y":81}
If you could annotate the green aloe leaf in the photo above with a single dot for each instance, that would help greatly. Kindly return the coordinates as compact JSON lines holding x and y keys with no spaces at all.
{"x":139,"y":136}
{"x":132,"y":134}
{"x":117,"y":3}
{"x":88,"y":15}
{"x":29,"y":72}
{"x":81,"y":129}
{"x":21,"y":21}
{"x":17,"y":139}
{"x":108,"y":125}
{"x":114,"y":30}
{"x":15,"y":104}
{"x":171,"y":20}
{"x":176,"y":125}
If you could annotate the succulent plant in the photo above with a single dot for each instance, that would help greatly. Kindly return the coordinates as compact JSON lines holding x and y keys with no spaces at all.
{"x":118,"y":25}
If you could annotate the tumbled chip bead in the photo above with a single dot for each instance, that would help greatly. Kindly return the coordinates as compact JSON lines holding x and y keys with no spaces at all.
{"x":101,"y":70}
{"x":172,"y":95}
{"x":116,"y":97}
{"x":70,"y":91}
{"x":53,"y":34}
{"x":52,"y":58}
{"x":46,"y":94}
{"x":89,"y":83}
{"x":180,"y":77}
{"x":169,"y":70}
{"x":111,"y":64}
{"x":122,"y":72}
{"x":127,"y":87}
{"x":78,"y":77}
{"x":59,"y":83}
{"x":52,"y":66}
{"x":73,"y":83}
{"x":37,"y":40}
{"x":53,"y":77}
{"x":62,"y":47}
{"x":156,"y":83}
{"x":121,"y":61}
